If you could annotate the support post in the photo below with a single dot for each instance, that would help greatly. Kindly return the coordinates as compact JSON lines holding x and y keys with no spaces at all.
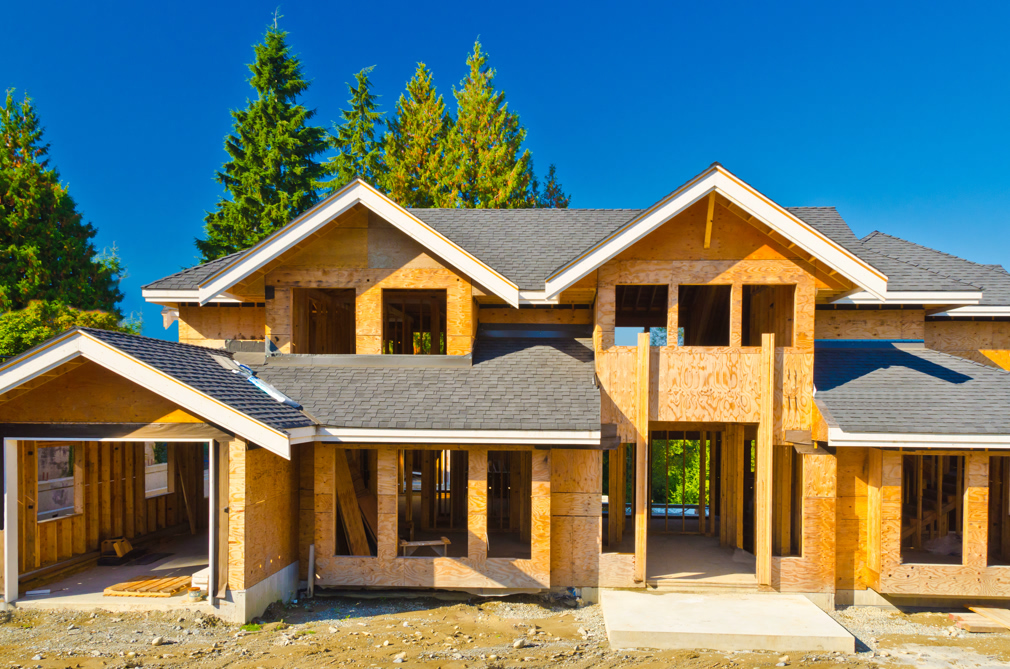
{"x":702,"y":480}
{"x":765,"y":464}
{"x":641,"y":455}
{"x":10,"y":570}
{"x":213,"y":525}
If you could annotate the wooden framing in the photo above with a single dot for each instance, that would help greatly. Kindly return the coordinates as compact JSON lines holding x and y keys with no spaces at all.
{"x":765,"y":464}
{"x":642,"y":456}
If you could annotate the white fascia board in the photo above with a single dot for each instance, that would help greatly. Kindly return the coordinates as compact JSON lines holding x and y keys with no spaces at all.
{"x":26,"y":367}
{"x":913,"y":297}
{"x":721,"y":181}
{"x":975,"y":312}
{"x":185,"y":396}
{"x":172,"y":297}
{"x":838,"y":437}
{"x":357,"y":192}
{"x":536,"y":297}
{"x":478,"y":437}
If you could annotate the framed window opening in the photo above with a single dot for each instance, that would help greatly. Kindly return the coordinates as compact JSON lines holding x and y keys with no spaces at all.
{"x":60,"y":472}
{"x":159,"y":468}
{"x":703,"y":315}
{"x":641,"y":308}
{"x":768,"y":309}
{"x":414,"y":322}
{"x":932,"y":509}
{"x":509,"y":504}
{"x":356,"y":512}
{"x":324,"y":321}
{"x":432,"y":505}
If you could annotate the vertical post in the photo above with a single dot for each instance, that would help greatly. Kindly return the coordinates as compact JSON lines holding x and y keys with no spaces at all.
{"x":764,"y":463}
{"x":641,"y":454}
{"x":10,"y":521}
{"x":975,"y":540}
{"x":212,"y":525}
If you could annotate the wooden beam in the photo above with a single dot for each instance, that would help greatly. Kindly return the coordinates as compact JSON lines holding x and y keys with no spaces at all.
{"x":702,"y":480}
{"x":765,"y":463}
{"x":709,"y":219}
{"x":641,"y":455}
{"x":348,"y":502}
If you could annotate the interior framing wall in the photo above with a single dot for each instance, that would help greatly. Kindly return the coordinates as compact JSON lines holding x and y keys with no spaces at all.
{"x":475,"y":572}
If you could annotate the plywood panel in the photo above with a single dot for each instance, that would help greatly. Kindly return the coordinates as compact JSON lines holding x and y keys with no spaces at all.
{"x":870,"y":324}
{"x":558,"y":316}
{"x":211,"y":325}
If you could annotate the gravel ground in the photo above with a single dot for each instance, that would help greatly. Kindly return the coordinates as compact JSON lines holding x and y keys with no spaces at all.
{"x":364,"y":630}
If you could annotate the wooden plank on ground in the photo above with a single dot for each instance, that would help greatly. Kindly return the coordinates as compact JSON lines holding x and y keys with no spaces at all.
{"x":149,"y":585}
{"x":976,"y":622}
{"x":1001,"y":616}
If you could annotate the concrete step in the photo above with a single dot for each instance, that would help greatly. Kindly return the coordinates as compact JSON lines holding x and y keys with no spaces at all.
{"x":720,"y":621}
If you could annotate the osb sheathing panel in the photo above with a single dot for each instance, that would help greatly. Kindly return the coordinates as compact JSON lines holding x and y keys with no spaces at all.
{"x":970,"y":579}
{"x":474,"y":571}
{"x":814,"y":570}
{"x":987,"y":342}
{"x":263,"y":501}
{"x":851,"y":514}
{"x":558,"y":316}
{"x":90,"y":393}
{"x":870,"y":324}
{"x":212,"y":325}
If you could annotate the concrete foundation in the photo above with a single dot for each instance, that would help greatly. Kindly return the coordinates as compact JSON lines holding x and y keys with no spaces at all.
{"x":773,"y":621}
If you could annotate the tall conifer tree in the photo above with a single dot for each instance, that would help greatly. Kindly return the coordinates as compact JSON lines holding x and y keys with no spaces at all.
{"x":272,"y":175}
{"x":553,"y":195}
{"x":485,"y":164}
{"x":359,"y":153}
{"x":46,"y":250}
{"x":414,"y":143}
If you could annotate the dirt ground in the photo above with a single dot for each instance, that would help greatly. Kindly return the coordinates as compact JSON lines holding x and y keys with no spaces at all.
{"x":362,"y":630}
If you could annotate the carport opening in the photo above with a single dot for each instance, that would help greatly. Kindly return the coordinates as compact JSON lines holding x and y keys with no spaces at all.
{"x":103,"y":514}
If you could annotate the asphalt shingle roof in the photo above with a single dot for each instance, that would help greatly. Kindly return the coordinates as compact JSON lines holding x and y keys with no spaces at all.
{"x":513,"y":384}
{"x":895,"y":388}
{"x":197,"y":367}
{"x":190,"y":278}
{"x":993,"y":280}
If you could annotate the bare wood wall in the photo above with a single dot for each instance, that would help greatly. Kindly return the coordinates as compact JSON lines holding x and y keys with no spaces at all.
{"x":987,"y":342}
{"x":870,"y":324}
{"x":211,"y":325}
{"x":814,"y":570}
{"x":476,"y":571}
{"x":113,"y":501}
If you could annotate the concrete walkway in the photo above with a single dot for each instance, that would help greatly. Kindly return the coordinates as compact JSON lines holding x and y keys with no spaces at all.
{"x":772,"y":621}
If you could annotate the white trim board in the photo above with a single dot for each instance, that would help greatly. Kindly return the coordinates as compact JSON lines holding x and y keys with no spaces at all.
{"x":975,"y":312}
{"x":838,"y":437}
{"x":718,"y":179}
{"x":925,"y":297}
{"x":354,"y":193}
{"x":76,"y":344}
{"x":476,"y":437}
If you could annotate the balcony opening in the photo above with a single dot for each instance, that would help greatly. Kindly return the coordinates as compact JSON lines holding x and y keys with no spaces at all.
{"x":432,"y":503}
{"x":932,"y":509}
{"x":768,"y":309}
{"x":703,"y":315}
{"x":414,"y":322}
{"x":640,"y":309}
{"x":509,"y":504}
{"x":324,"y":320}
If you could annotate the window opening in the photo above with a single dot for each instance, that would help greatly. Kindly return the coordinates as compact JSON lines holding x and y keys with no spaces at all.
{"x":356,"y":515}
{"x":932,"y":500}
{"x":703,"y":315}
{"x":432,"y":503}
{"x":618,"y":499}
{"x":768,"y":308}
{"x":640,"y":309}
{"x":509,"y":504}
{"x":158,"y":469}
{"x":414,"y":322}
{"x":59,"y":474}
{"x":324,"y":321}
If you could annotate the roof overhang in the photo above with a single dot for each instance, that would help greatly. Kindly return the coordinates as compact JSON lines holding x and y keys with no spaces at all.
{"x":516,"y":437}
{"x":76,"y":344}
{"x":354,"y":193}
{"x":838,"y":437}
{"x":926,"y":297}
{"x":718,"y":179}
{"x":974,"y":312}
{"x":173,"y":297}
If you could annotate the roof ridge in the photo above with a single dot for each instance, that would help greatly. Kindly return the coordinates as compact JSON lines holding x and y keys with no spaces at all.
{"x":929,"y":248}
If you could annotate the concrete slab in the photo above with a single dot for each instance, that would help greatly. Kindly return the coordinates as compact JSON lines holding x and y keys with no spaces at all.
{"x":766,"y":621}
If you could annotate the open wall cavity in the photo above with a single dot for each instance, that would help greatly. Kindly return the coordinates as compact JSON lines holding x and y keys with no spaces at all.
{"x":703,"y":315}
{"x":641,"y":308}
{"x":414,"y":322}
{"x":768,"y":309}
{"x":432,"y":503}
{"x":932,"y":502}
{"x":356,"y":517}
{"x":619,"y":499}
{"x":324,"y":320}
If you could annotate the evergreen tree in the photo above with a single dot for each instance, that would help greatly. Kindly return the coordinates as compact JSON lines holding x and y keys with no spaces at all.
{"x":552,"y":196}
{"x":272,"y":175}
{"x":40,"y":320}
{"x":46,"y":250}
{"x":485,"y":166}
{"x":359,"y":153}
{"x":414,"y":143}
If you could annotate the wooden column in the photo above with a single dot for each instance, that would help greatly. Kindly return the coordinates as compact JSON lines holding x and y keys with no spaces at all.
{"x":874,"y":485}
{"x":237,"y":531}
{"x":765,"y":462}
{"x":387,"y":539}
{"x":10,"y":533}
{"x":702,"y":480}
{"x":641,"y":454}
{"x":477,"y":506}
{"x":976,"y":510}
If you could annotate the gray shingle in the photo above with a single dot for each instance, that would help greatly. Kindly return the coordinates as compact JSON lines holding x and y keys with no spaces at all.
{"x":887,"y":387}
{"x":514,"y":384}
{"x":196,"y":367}
{"x":191,"y":277}
{"x":992,"y":279}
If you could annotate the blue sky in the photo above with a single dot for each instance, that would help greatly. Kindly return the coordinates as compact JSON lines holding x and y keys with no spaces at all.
{"x":896,"y":113}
